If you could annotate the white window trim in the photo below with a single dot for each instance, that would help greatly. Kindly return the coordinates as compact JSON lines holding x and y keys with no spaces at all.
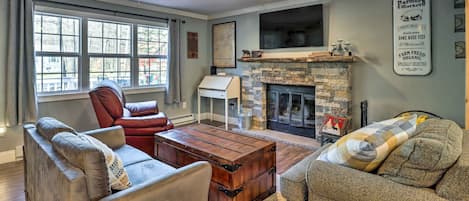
{"x":46,"y":98}
{"x":81,"y":93}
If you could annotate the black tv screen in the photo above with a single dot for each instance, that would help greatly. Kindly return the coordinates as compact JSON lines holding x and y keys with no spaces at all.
{"x":298,"y":27}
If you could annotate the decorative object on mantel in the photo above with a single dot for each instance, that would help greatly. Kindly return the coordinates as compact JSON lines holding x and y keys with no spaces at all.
{"x":459,"y":3}
{"x":246,"y":54}
{"x":314,"y":59}
{"x":341,"y":48}
{"x":460,"y":49}
{"x":412,"y":37}
{"x":224,"y":45}
{"x":192,"y":45}
{"x":256,"y":54}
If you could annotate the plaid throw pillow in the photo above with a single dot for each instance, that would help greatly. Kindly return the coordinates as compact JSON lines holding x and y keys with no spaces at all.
{"x":366,"y":148}
{"x":118,"y":178}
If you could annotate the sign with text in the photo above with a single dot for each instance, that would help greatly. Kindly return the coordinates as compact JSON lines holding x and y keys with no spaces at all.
{"x":412,"y":37}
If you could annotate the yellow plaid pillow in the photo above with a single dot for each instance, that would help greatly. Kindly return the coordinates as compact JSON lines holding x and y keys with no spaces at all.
{"x":366,"y":148}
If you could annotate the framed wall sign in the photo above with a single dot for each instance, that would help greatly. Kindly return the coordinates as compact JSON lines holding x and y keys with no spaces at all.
{"x":412,"y":37}
{"x":224,"y":45}
{"x":192,"y":45}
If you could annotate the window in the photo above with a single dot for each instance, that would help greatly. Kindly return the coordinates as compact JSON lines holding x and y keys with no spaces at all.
{"x":57,"y":46}
{"x":131,"y":52}
{"x":152,"y":52}
{"x":109,"y":50}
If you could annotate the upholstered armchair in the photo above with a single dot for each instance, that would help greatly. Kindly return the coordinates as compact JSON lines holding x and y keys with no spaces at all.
{"x":140,"y":120}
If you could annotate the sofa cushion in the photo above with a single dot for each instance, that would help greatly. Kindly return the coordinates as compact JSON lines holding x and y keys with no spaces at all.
{"x":48,"y":127}
{"x":365,"y":148}
{"x":150,"y":169}
{"x":454,"y":184}
{"x":131,"y":155}
{"x":422,"y":160}
{"x":86,"y":157}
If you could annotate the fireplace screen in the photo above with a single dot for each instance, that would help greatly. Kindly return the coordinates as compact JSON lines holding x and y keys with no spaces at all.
{"x":291,"y":109}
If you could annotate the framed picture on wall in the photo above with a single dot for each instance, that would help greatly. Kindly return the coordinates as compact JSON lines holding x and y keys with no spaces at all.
{"x":192,"y":45}
{"x":460,"y":49}
{"x":459,"y":23}
{"x":459,"y":3}
{"x":412,"y":37}
{"x":224,"y":45}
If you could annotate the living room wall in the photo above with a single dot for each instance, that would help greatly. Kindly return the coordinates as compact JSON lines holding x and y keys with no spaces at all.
{"x":79,"y":113}
{"x":367,"y":24}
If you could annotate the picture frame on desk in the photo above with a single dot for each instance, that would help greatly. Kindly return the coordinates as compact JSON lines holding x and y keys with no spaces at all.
{"x":335,"y":125}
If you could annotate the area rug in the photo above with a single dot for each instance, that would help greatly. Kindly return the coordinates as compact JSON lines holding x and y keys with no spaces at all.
{"x":276,"y":197}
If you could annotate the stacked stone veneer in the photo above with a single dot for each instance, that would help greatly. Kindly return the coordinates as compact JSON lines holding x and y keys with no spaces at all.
{"x":332,"y":82}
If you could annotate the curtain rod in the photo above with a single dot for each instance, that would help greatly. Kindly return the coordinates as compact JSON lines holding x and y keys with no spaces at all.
{"x":109,"y":10}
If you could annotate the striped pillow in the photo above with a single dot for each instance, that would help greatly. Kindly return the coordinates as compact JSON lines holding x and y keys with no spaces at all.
{"x":366,"y":148}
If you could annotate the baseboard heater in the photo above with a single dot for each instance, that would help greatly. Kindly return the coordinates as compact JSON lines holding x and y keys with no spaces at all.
{"x":183,"y":119}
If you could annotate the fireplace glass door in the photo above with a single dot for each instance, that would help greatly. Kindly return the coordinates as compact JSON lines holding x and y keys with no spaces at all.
{"x":291,"y":109}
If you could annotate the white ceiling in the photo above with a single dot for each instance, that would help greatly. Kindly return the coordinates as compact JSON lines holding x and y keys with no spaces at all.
{"x":207,"y":7}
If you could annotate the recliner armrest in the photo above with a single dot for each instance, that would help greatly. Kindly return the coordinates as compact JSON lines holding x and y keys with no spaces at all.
{"x":190,"y":182}
{"x":157,"y":120}
{"x":342,"y":183}
{"x":142,"y":108}
{"x":113,"y":137}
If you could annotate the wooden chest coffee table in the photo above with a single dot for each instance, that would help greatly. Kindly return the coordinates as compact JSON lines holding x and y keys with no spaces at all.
{"x":243,"y":168}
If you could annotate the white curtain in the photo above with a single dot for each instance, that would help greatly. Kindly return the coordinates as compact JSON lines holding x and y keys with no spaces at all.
{"x":173,"y":86}
{"x":20,"y":97}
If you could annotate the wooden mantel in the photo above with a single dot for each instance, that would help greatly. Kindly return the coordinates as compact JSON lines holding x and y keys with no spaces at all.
{"x":317,"y":59}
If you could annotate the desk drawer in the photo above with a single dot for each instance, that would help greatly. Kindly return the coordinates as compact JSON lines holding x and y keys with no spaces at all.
{"x":212,"y":93}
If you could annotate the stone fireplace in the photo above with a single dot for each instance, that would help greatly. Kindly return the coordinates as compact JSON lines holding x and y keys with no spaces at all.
{"x":329,"y":76}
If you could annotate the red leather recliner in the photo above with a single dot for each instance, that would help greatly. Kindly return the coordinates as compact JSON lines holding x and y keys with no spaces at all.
{"x":140,"y":120}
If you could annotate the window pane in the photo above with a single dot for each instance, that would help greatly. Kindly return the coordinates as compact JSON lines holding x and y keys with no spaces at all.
{"x":70,"y":26}
{"x":51,"y":65}
{"x":95,"y":29}
{"x":163,"y":49}
{"x":70,"y":81}
{"x":142,"y":48}
{"x":110,"y":64}
{"x":51,"y":43}
{"x":37,"y":42}
{"x":164,"y":35}
{"x":96,"y":64}
{"x":37,"y":23}
{"x":142,"y":33}
{"x":70,"y":43}
{"x":124,"y":47}
{"x":154,"y":64}
{"x":52,"y":82}
{"x":95,"y":78}
{"x":38,"y":64}
{"x":95,"y":45}
{"x":70,"y":64}
{"x":163,"y":77}
{"x":153,"y":34}
{"x":109,"y":30}
{"x":124,"y":64}
{"x":153,"y":48}
{"x":164,"y":64}
{"x":110,"y":46}
{"x":50,"y":24}
{"x":124,"y":31}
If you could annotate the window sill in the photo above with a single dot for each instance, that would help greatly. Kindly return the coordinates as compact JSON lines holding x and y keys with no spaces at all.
{"x":84,"y":95}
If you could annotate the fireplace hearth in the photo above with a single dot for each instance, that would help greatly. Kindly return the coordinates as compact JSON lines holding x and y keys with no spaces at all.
{"x":291,"y":109}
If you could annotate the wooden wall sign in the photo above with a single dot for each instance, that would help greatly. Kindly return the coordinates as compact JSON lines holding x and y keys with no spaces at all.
{"x":412,"y":37}
{"x":192,"y":45}
{"x":224,"y":45}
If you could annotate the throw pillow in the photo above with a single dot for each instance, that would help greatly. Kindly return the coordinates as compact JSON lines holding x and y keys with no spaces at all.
{"x":47,"y":127}
{"x":422,"y":160}
{"x":118,"y":178}
{"x":365,"y":148}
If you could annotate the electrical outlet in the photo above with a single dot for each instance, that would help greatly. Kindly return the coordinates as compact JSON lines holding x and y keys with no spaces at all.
{"x":184,"y":105}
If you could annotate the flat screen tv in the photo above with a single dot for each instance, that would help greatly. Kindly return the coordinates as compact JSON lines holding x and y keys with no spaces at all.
{"x":298,"y":27}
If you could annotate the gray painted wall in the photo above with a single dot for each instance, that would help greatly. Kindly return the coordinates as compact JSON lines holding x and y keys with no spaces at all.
{"x":368,"y":25}
{"x":80,"y":114}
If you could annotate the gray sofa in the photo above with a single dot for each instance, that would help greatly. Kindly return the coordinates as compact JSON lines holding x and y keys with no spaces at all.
{"x":315,"y":180}
{"x":50,"y":176}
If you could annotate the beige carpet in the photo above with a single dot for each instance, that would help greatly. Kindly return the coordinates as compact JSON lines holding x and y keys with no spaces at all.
{"x":276,"y":197}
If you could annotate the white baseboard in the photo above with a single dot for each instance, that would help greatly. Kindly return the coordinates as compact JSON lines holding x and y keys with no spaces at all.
{"x":218,"y":117}
{"x":12,"y":155}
